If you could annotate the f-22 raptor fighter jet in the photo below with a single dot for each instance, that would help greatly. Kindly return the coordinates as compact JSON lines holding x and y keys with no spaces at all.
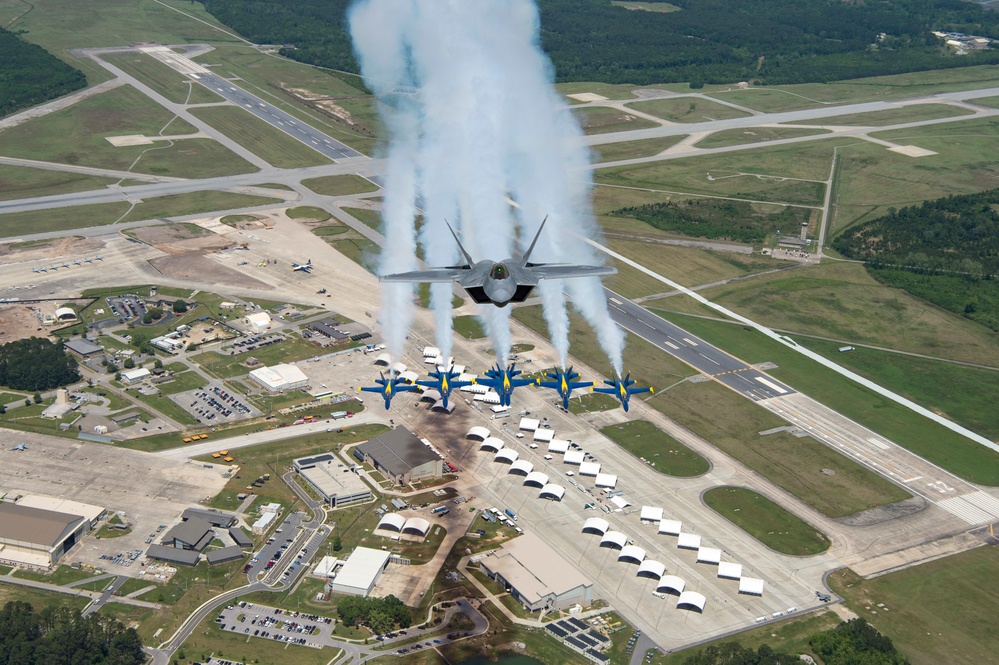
{"x":499,"y":282}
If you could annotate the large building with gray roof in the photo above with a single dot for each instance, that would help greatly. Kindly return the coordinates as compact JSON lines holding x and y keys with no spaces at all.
{"x":38,"y":536}
{"x":338,"y":483}
{"x":537,"y":576}
{"x":401,"y":456}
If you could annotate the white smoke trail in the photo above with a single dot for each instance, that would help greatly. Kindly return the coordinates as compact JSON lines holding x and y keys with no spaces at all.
{"x":485,"y":123}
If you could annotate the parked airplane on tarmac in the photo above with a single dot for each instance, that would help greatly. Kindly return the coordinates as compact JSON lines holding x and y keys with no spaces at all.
{"x":564,"y":383}
{"x":303,"y":267}
{"x":503,"y":381}
{"x":620,"y":388}
{"x":444,"y":382}
{"x":503,"y":282}
{"x":387,"y":388}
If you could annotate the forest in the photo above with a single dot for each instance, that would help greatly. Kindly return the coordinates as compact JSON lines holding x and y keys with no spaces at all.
{"x":706,"y":41}
{"x":36,"y":364}
{"x":945,"y":251}
{"x":718,"y":219}
{"x":30,"y":75}
{"x":60,"y":635}
{"x":853,"y":642}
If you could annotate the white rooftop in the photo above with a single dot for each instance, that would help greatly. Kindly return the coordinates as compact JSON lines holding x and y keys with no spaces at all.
{"x":732,"y":571}
{"x":544,"y":435}
{"x":672,"y":527}
{"x":362,"y":567}
{"x":651,"y":513}
{"x":529,"y":424}
{"x":689,"y":541}
{"x":751,"y":585}
{"x":573,"y":457}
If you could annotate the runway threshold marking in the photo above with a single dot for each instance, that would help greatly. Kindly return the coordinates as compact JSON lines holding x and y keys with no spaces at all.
{"x":771,"y":385}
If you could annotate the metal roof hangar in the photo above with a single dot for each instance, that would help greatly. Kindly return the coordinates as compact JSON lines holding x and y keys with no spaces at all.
{"x":537,"y":576}
{"x":38,"y":536}
{"x":401,"y":457}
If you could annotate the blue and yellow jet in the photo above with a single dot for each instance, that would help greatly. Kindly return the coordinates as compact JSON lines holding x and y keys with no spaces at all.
{"x":388,"y":387}
{"x":503,"y":381}
{"x":564,"y":382}
{"x":621,"y":389}
{"x":443,"y":382}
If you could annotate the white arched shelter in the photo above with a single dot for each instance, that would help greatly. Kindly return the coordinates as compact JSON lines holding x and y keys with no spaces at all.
{"x":651,"y":568}
{"x":392,"y":521}
{"x":691,"y":600}
{"x":522,"y":467}
{"x":416,"y":525}
{"x":492,"y":444}
{"x":478,"y":432}
{"x":508,"y":455}
{"x":614,"y":539}
{"x":671,"y":584}
{"x":537,"y":479}
{"x":596,"y":525}
{"x":632,"y":554}
{"x":552,"y":491}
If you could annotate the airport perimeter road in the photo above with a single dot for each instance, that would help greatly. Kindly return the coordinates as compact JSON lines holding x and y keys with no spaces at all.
{"x":694,"y":351}
{"x":268,"y":436}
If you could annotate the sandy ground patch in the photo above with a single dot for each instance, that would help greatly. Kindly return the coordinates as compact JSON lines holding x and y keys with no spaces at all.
{"x":912,"y":151}
{"x":587,"y":97}
{"x":133,"y":139}
{"x":72,"y":247}
{"x":203,"y":269}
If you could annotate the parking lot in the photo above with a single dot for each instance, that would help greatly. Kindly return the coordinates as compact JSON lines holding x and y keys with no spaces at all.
{"x":126,"y":307}
{"x":253,"y":343}
{"x":214,"y":405}
{"x":275,"y":548}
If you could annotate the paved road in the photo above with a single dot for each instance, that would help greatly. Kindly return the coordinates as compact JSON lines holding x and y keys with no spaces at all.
{"x":267,"y":112}
{"x":694,"y":351}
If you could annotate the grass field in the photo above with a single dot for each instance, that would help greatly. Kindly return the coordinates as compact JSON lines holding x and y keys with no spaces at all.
{"x":340,"y":185}
{"x":61,"y":219}
{"x":687,"y":109}
{"x":925,"y":630}
{"x":870,"y":179}
{"x":877,"y":88}
{"x":19,"y":182}
{"x":273,"y":146}
{"x":790,"y":636}
{"x":836,"y":300}
{"x":897,"y":116}
{"x":308,"y":212}
{"x":780,"y":174}
{"x":182,"y":381}
{"x":766,"y":521}
{"x":469,"y":327}
{"x":163,"y":79}
{"x":730,"y":423}
{"x":593,"y":402}
{"x":729,"y":137}
{"x":225,"y":366}
{"x":604,"y":120}
{"x":656,"y":448}
{"x":953,"y":452}
{"x":610,"y":152}
{"x":370,"y":218}
{"x":360,"y":250}
{"x":85,"y":126}
{"x":40,"y":599}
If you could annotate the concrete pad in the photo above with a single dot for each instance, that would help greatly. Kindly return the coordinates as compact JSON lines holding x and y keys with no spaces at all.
{"x":133,"y":139}
{"x":587,"y":97}
{"x":912,"y":151}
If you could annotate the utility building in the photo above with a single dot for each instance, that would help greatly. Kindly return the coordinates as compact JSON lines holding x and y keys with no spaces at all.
{"x":338,"y":483}
{"x":360,"y":572}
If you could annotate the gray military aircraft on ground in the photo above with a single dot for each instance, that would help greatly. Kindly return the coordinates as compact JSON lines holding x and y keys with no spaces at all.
{"x":499,"y":282}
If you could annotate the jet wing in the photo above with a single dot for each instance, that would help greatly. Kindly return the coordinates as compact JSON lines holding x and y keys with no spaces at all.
{"x":562,"y":271}
{"x":432,"y":275}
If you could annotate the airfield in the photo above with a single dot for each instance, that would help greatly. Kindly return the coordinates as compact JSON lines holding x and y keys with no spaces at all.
{"x":145,"y":252}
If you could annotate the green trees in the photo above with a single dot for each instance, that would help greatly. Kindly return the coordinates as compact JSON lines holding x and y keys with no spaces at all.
{"x":379,"y":614}
{"x":179,"y":306}
{"x":945,"y":251}
{"x":856,"y":642}
{"x":36,"y":364}
{"x":707,"y":41}
{"x":31,"y":75}
{"x":716,"y":218}
{"x":61,"y":635}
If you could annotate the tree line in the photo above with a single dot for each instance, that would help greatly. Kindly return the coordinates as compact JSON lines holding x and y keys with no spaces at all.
{"x":30,"y":75}
{"x":718,"y":219}
{"x":35,"y":364}
{"x":61,"y":636}
{"x":945,"y":251}
{"x":706,"y":41}
{"x":853,"y":642}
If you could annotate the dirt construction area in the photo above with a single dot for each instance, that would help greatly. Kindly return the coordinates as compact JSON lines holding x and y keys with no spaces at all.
{"x":150,"y":490}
